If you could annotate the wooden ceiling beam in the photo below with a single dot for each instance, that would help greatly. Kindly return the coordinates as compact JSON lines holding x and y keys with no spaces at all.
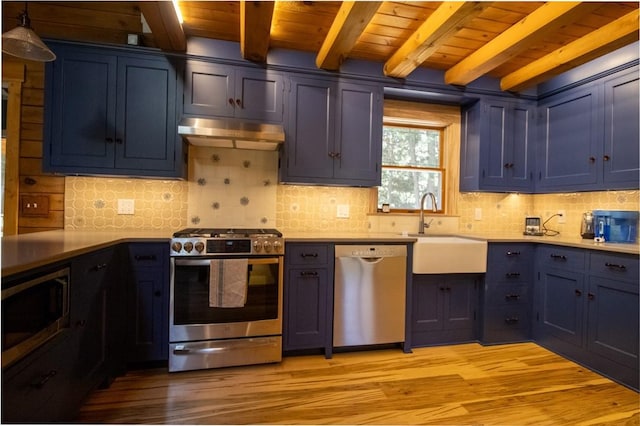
{"x":255,"y":29}
{"x":531,"y":29}
{"x":619,"y":33}
{"x":163,"y":22}
{"x":349,"y":23}
{"x":445,"y":21}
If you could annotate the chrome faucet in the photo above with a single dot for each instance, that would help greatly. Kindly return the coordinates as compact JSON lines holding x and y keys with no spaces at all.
{"x":434,"y":208}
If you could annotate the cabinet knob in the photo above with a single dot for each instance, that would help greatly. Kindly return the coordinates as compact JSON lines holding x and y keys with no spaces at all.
{"x":508,"y":166}
{"x":119,"y":141}
{"x":512,"y":274}
{"x":513,"y":253}
{"x":239,"y":102}
{"x":308,"y":255}
{"x":592,"y":159}
{"x":231,"y":102}
{"x":591,"y":296}
{"x":606,"y":158}
{"x":511,"y":320}
{"x":109,"y":140}
{"x":308,"y":274}
{"x":578,"y":292}
{"x":512,"y":297}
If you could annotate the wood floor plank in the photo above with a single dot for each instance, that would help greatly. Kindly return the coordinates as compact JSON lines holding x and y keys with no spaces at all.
{"x":520,"y":384}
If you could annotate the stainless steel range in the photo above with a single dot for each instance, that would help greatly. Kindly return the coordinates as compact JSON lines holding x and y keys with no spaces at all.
{"x":226,"y":298}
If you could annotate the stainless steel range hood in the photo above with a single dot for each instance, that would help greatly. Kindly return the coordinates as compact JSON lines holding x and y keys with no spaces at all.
{"x":231,"y":134}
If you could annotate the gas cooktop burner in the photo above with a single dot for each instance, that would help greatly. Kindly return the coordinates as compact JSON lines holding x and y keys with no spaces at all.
{"x":226,"y":233}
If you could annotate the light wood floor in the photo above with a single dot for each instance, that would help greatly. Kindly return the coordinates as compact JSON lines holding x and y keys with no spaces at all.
{"x":455,"y":385}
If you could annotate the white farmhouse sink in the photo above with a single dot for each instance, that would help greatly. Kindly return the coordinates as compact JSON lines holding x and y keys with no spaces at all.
{"x":449,"y":255}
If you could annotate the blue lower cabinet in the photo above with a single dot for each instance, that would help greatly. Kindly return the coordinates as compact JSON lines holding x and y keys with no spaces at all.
{"x":589,"y":311}
{"x":444,"y":308}
{"x":308,"y":295}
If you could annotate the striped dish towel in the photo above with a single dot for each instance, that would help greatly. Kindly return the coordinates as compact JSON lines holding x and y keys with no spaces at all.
{"x":228,"y":283}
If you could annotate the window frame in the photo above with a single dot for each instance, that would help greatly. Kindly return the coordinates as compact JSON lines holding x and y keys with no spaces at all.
{"x":390,"y":122}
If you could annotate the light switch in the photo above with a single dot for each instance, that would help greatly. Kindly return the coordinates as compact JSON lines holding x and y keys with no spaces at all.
{"x":342,"y":211}
{"x":126,"y":206}
{"x":477,"y":214}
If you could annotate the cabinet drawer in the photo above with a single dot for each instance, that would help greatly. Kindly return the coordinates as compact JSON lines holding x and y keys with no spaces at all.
{"x":561,"y":257}
{"x":614,"y":266}
{"x":516,"y":317}
{"x":507,"y":294}
{"x":509,"y":262}
{"x":34,"y":391}
{"x":307,"y":254}
{"x":147,"y":255}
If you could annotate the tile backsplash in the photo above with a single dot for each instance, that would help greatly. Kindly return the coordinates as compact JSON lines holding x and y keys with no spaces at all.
{"x":238,"y":188}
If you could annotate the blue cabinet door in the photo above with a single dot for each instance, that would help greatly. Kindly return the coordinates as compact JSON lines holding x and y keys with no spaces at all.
{"x":358,"y":139}
{"x":306,"y":308}
{"x":82,"y":104}
{"x":111,"y":113}
{"x":209,"y":89}
{"x":146,"y":131}
{"x":613,"y":320}
{"x":309,"y":132}
{"x":560,"y":306}
{"x":621,"y":159}
{"x":443,"y":308}
{"x":148,"y":303}
{"x":215,"y":90}
{"x":259,"y":95}
{"x":570,"y":141}
{"x":497,"y":146}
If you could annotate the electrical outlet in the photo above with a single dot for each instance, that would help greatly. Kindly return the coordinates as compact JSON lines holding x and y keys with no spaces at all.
{"x":126,"y":206}
{"x":477,"y":213}
{"x":342,"y":211}
{"x":563,"y":216}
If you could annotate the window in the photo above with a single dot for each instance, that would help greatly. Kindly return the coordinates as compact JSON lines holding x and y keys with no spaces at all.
{"x":412,"y":165}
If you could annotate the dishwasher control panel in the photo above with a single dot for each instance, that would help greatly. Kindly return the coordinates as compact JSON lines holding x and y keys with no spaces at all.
{"x":371,"y":251}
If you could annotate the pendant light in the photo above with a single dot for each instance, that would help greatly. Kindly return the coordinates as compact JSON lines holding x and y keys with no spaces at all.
{"x":24,"y":43}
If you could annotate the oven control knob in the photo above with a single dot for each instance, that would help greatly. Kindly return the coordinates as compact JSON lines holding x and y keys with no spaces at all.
{"x":267,"y":246}
{"x":176,"y":247}
{"x":277,"y":246}
{"x":188,"y":246}
{"x":199,"y":246}
{"x":257,"y":246}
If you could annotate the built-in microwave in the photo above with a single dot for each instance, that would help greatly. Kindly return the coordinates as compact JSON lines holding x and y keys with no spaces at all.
{"x":34,"y":309}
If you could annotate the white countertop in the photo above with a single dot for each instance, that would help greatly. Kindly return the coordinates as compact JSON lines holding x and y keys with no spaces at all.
{"x":27,"y":251}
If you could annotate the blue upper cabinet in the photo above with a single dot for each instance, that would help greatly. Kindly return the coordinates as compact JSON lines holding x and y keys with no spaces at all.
{"x":497,"y":146}
{"x":107,"y":113}
{"x":215,"y":90}
{"x":621,"y":137}
{"x":588,"y":137}
{"x":334,"y":133}
{"x":570,"y":146}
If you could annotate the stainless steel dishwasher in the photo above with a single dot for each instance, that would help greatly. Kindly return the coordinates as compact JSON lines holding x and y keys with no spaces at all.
{"x":370,"y":294}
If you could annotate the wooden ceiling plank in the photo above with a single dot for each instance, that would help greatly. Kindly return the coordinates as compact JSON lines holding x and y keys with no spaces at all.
{"x":441,"y":24}
{"x":163,"y":22}
{"x":255,"y":29}
{"x":548,"y":17}
{"x":612,"y":36}
{"x":348,"y":25}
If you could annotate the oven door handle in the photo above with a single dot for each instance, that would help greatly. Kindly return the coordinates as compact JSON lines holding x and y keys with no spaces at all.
{"x":206,"y":262}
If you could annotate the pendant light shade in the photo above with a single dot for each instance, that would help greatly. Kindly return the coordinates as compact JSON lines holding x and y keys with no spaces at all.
{"x":24,"y":43}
